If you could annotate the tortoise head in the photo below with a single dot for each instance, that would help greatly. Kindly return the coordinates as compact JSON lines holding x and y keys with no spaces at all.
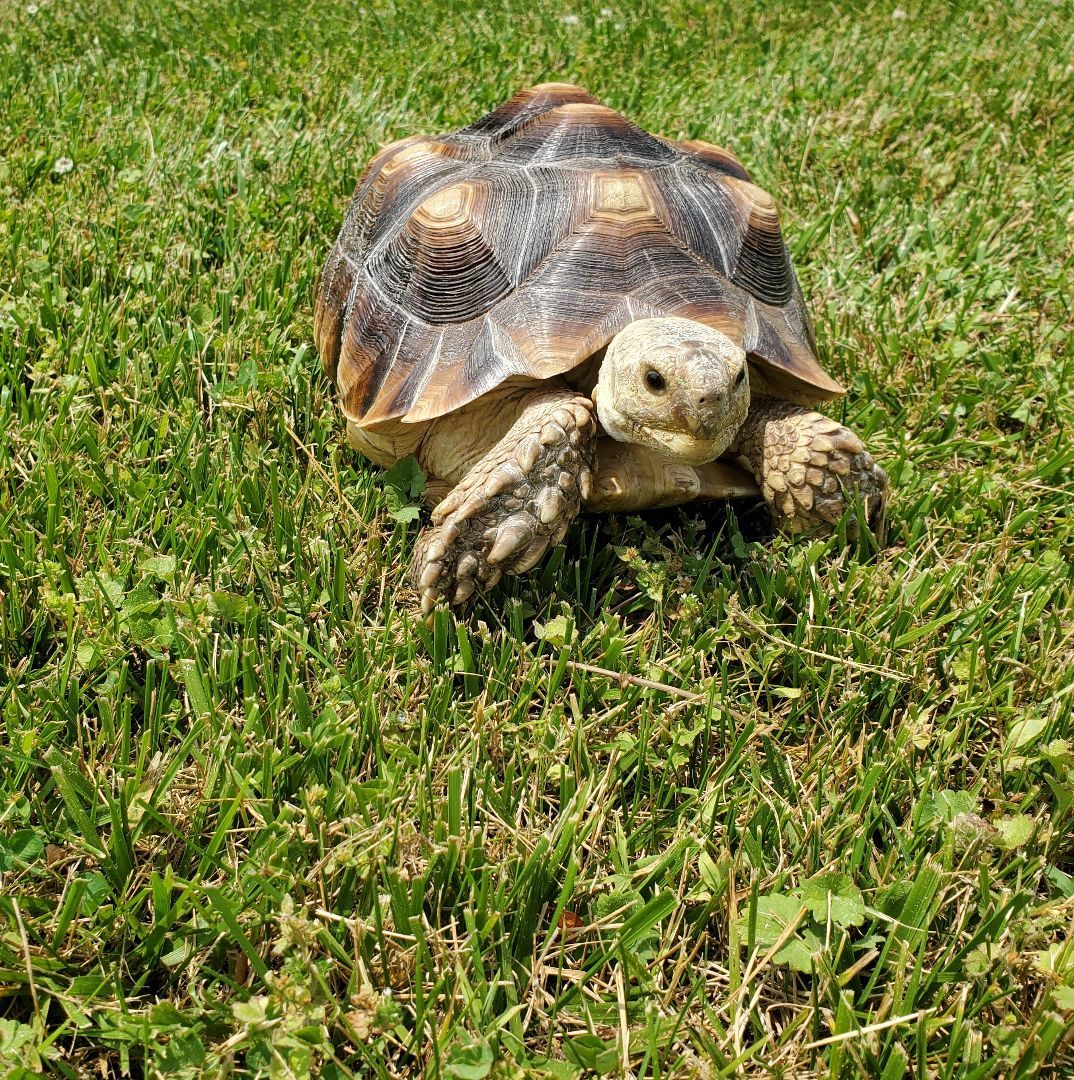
{"x":674,"y":385}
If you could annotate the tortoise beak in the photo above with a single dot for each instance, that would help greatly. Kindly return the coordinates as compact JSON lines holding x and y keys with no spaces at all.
{"x":690,"y":414}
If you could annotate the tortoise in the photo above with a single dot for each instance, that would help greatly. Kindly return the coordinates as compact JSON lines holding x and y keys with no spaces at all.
{"x":555,"y":310}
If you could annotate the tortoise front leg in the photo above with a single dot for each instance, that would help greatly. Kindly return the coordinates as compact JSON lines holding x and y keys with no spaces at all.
{"x":631,"y":477}
{"x":514,"y":504}
{"x":808,"y":465}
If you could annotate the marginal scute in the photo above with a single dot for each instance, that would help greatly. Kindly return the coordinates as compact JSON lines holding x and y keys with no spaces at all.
{"x":582,"y":134}
{"x":756,"y":196}
{"x":402,"y":156}
{"x":714,"y":157}
{"x":524,"y":106}
{"x":520,"y":245}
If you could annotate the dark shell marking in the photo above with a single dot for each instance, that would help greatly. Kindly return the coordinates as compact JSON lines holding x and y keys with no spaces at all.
{"x":522,"y":244}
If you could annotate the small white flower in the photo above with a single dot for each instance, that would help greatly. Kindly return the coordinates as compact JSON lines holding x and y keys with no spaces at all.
{"x":607,"y":12}
{"x":899,"y":13}
{"x":571,"y":20}
{"x":62,"y":165}
{"x":32,"y":9}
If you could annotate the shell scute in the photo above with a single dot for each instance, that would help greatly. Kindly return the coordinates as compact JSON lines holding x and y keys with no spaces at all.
{"x":712,"y":157}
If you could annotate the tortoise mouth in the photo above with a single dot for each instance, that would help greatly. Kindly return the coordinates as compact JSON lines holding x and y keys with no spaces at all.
{"x":675,"y":444}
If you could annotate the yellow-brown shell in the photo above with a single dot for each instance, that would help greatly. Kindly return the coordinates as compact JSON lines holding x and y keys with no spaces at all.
{"x":522,"y":244}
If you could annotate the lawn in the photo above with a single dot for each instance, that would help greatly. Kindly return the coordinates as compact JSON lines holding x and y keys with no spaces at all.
{"x":691,"y":798}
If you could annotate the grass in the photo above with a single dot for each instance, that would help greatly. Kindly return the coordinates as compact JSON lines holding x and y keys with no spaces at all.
{"x":690,"y":799}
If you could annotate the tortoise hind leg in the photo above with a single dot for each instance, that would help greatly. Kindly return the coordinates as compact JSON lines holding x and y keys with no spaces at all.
{"x":514,"y":504}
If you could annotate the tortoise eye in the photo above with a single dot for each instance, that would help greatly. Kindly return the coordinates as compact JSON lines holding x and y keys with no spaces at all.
{"x":654,"y":380}
{"x":740,"y":377}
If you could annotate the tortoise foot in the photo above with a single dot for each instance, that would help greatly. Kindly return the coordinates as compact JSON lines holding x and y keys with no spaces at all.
{"x":811,"y":468}
{"x":514,"y":504}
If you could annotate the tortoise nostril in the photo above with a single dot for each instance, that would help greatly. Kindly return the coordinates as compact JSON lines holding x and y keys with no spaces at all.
{"x":701,"y":401}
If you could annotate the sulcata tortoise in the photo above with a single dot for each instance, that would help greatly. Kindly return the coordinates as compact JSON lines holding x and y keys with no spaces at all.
{"x":554,"y":310}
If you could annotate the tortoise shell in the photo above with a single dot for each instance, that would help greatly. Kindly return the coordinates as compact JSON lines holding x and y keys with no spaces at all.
{"x":519,"y":246}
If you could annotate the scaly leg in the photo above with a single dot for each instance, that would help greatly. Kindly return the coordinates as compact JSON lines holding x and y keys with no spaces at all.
{"x":514,"y":504}
{"x":808,"y":465}
{"x":631,"y":477}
